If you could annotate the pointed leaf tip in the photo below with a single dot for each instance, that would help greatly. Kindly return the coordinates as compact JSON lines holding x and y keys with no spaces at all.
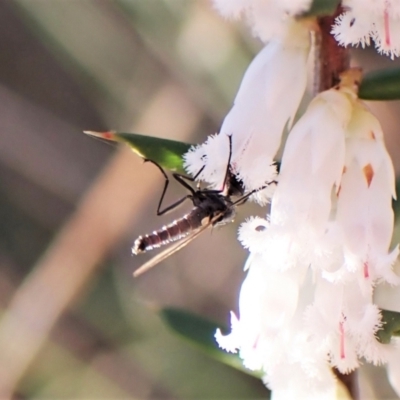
{"x":110,"y":135}
{"x":168,"y":153}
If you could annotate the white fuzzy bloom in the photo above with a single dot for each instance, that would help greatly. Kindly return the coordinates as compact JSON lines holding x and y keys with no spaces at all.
{"x":267,"y":301}
{"x":252,"y":234}
{"x":364,"y":211}
{"x":345,"y":327}
{"x":312,"y":164}
{"x":260,"y":112}
{"x":267,"y":18}
{"x":270,"y":333}
{"x":365,"y":20}
{"x":307,"y":302}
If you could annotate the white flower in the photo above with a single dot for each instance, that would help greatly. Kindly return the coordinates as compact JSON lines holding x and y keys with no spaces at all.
{"x":307,"y":302}
{"x":270,"y":333}
{"x":267,"y":301}
{"x":312,"y":164}
{"x":364,"y":210}
{"x":378,"y":20}
{"x":267,"y":18}
{"x":260,"y":112}
{"x":345,"y":327}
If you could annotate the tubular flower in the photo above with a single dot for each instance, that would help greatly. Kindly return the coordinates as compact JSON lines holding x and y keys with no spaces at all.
{"x":258,"y":116}
{"x":364,"y":211}
{"x":365,"y":20}
{"x":311,"y":165}
{"x":306,"y":304}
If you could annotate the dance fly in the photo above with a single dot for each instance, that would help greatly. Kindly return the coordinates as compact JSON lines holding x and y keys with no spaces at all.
{"x":211,"y":208}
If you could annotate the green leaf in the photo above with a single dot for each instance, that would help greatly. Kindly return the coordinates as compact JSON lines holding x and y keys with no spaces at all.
{"x":320,"y":8}
{"x":391,"y":326}
{"x":167,"y":153}
{"x":200,"y":332}
{"x":381,"y":85}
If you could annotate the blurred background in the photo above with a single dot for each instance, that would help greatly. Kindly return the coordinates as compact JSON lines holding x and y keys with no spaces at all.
{"x":75,"y":324}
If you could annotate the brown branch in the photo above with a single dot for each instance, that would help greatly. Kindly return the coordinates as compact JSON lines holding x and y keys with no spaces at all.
{"x":331,"y":58}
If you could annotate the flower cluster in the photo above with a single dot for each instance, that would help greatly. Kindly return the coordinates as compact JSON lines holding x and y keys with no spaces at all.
{"x":306,"y":305}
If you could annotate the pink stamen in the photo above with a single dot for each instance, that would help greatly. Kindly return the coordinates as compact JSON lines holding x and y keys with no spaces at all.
{"x":341,"y":330}
{"x":366,"y":270}
{"x":386,"y":24}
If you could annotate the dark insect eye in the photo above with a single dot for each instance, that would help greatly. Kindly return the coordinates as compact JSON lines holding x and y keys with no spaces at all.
{"x":352,"y":21}
{"x":260,"y":228}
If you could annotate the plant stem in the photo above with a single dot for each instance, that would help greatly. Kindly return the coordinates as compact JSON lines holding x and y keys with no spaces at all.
{"x":331,"y":58}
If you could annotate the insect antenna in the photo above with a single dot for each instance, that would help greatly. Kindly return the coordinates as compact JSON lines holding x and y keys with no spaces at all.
{"x":243,"y":199}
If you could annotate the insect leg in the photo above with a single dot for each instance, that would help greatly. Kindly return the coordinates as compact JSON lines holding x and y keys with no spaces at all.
{"x":244,"y":198}
{"x":198,"y":173}
{"x":189,"y":178}
{"x":172,"y":206}
{"x":180,"y":178}
{"x":211,"y":191}
{"x":177,"y":203}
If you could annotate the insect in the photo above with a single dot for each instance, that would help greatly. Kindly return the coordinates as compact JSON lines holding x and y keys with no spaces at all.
{"x":211,"y":208}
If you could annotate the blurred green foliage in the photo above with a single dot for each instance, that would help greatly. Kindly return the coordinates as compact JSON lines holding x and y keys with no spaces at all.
{"x":381,"y":85}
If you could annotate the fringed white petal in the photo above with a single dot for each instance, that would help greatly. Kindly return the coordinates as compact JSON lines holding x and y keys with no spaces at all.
{"x":344,"y":355}
{"x":377,"y":20}
{"x":267,"y":301}
{"x":212,"y":156}
{"x":252,"y":234}
{"x":232,"y":341}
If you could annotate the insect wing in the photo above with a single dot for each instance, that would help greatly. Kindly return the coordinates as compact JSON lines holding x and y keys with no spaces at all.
{"x":170,"y":250}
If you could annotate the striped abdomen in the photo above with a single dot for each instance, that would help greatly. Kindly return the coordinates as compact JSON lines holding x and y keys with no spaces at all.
{"x":169,"y":233}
